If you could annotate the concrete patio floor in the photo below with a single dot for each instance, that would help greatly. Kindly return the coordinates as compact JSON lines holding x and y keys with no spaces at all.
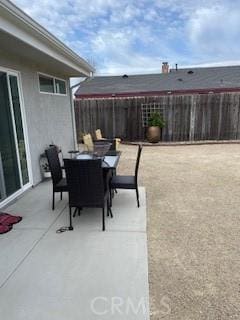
{"x":84,"y":274}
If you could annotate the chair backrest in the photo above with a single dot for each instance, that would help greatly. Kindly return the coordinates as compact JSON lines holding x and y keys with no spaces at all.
{"x":87,"y":140}
{"x":85,"y":182}
{"x":115,"y":141}
{"x":113,"y":145}
{"x":54,"y":164}
{"x":137,"y":161}
{"x":101,"y":149}
{"x":98,"y":134}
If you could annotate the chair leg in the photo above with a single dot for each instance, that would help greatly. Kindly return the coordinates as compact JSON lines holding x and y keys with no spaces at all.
{"x":103,"y":218}
{"x":74,"y":213}
{"x":137,"y":194}
{"x":109,"y":210}
{"x":53,"y":201}
{"x":110,"y":197}
{"x":77,"y":210}
{"x":70,"y":219}
{"x":61,"y":195}
{"x":108,"y":206}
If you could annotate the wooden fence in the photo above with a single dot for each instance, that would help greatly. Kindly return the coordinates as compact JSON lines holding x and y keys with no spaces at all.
{"x":188,"y":117}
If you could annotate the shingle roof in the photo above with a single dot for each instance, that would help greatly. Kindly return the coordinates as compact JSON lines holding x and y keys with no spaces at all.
{"x":188,"y":79}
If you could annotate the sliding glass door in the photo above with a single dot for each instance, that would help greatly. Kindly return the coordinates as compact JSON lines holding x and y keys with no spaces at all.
{"x":13,"y":160}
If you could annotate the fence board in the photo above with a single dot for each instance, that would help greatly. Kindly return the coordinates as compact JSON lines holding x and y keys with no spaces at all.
{"x":187,"y":117}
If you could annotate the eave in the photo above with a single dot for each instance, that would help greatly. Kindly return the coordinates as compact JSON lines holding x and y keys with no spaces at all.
{"x":21,"y":27}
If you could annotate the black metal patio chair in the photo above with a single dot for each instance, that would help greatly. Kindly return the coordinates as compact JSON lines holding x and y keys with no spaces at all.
{"x":59,"y":183}
{"x":86,"y":187}
{"x":127,"y":182}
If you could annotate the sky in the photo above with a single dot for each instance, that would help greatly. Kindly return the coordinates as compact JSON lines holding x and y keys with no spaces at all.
{"x":136,"y":36}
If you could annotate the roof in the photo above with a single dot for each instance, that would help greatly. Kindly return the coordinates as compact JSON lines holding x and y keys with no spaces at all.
{"x":183,"y":80}
{"x":28,"y":34}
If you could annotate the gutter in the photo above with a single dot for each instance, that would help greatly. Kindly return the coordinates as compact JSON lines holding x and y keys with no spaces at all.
{"x":155,"y":93}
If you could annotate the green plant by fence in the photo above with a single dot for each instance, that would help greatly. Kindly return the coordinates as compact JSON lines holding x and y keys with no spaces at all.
{"x":187,"y":117}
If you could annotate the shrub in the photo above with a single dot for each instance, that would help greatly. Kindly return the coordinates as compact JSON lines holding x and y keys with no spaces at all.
{"x":156,"y":120}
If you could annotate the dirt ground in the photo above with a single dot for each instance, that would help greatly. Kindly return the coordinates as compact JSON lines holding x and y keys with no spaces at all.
{"x":193,"y":208}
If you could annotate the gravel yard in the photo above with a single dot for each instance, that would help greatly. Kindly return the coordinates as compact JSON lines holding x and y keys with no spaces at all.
{"x":193,"y":207}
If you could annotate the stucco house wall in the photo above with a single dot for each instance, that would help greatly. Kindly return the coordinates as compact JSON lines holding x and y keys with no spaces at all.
{"x":27,"y":49}
{"x":48,"y":116}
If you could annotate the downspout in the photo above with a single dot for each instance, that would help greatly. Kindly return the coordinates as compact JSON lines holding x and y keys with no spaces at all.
{"x":73,"y":114}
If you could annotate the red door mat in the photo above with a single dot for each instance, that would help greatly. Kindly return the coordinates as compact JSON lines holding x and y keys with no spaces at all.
{"x":7,"y":220}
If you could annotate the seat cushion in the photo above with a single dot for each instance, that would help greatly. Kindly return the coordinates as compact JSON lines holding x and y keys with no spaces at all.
{"x":123,"y":182}
{"x":61,"y":185}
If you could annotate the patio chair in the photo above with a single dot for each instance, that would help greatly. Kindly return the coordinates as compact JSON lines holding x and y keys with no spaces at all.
{"x":92,"y":145}
{"x":115,"y":141}
{"x":88,"y":142}
{"x":98,"y":134}
{"x":128,"y":182}
{"x":86,"y":186}
{"x":59,"y":183}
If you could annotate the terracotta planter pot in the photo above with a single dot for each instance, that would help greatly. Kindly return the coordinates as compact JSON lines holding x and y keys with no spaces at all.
{"x":153,"y":134}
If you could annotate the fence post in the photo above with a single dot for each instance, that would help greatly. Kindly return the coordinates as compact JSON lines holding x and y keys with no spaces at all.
{"x":220,"y":116}
{"x":113,"y":118}
{"x":192,"y":118}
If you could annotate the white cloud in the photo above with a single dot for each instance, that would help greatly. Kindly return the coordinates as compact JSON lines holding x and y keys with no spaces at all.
{"x":215,"y":64}
{"x":134,"y":36}
{"x":215,"y":31}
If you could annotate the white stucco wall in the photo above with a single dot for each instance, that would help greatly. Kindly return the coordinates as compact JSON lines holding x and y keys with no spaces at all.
{"x":48,"y":116}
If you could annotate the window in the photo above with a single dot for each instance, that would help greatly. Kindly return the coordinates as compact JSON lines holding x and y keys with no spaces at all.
{"x":60,"y":86}
{"x":46,"y":84}
{"x":49,"y":84}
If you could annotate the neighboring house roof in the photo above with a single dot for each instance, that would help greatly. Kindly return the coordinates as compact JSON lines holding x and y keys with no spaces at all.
{"x":32,"y":40}
{"x":187,"y":80}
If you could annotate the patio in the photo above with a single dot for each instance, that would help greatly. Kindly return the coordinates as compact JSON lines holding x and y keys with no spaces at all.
{"x":83,"y":274}
{"x":193,"y":245}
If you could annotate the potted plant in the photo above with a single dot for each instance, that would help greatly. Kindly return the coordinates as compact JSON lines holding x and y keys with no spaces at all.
{"x":155,"y":124}
{"x":46,"y":170}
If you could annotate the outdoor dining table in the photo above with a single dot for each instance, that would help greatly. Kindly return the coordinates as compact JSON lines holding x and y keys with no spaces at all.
{"x":109,"y":161}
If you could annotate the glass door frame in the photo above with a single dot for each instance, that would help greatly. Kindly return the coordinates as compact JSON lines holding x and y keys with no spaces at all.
{"x":17,"y":74}
{"x":2,"y":181}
